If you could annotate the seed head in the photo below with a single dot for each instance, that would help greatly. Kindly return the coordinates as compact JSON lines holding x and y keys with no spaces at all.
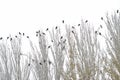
{"x":1,"y":38}
{"x":62,"y":21}
{"x":50,"y":62}
{"x":51,"y":40}
{"x":73,"y":32}
{"x":44,"y":61}
{"x":73,"y":27}
{"x":101,"y":18}
{"x":56,"y":27}
{"x":86,"y":21}
{"x":40,"y":63}
{"x":7,"y":37}
{"x":95,"y":32}
{"x":10,"y":39}
{"x":48,"y":46}
{"x":78,"y":24}
{"x":61,"y":37}
{"x":19,"y":33}
{"x":47,"y":29}
{"x":43,"y":33}
{"x":117,"y":11}
{"x":29,"y":64}
{"x":16,"y":36}
{"x":27,"y":36}
{"x":99,"y":33}
{"x":23,"y":34}
{"x":101,"y":26}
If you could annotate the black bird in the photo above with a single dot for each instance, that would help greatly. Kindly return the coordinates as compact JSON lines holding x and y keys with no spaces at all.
{"x":117,"y":11}
{"x":62,"y":21}
{"x":101,"y":18}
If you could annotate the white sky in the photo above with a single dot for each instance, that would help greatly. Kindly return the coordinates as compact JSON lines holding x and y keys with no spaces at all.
{"x":30,"y":15}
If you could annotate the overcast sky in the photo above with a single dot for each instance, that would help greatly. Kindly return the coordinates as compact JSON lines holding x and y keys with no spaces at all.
{"x":30,"y":15}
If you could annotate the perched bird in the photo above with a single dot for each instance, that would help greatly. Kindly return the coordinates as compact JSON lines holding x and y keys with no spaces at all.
{"x":101,"y":18}
{"x":117,"y":11}
{"x":62,"y":21}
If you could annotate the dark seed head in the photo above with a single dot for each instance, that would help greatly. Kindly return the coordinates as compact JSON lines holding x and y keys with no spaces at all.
{"x":44,"y":61}
{"x":19,"y":33}
{"x":101,"y":18}
{"x":40,"y":63}
{"x":10,"y":39}
{"x":1,"y":38}
{"x":29,"y":64}
{"x":50,"y":62}
{"x":117,"y":11}
{"x":27,"y":36}
{"x":99,"y":33}
{"x":62,"y":21}
{"x":47,"y":29}
{"x":7,"y":37}
{"x":73,"y":32}
{"x":101,"y":26}
{"x":86,"y":21}
{"x":61,"y":37}
{"x":96,"y":32}
{"x":51,"y":40}
{"x":48,"y":46}
{"x":78,"y":24}
{"x":73,"y":27}
{"x":43,"y":33}
{"x":56,"y":27}
{"x":16,"y":36}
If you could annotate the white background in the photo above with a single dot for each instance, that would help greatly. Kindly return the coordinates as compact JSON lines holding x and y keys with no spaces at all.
{"x":30,"y":15}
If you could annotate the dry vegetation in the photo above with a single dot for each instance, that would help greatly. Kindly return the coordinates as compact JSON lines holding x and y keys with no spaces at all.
{"x":76,"y":55}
